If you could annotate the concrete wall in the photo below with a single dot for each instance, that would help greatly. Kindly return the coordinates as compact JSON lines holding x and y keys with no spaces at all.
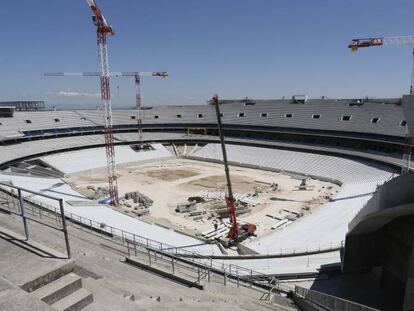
{"x":381,"y":240}
{"x":408,"y":110}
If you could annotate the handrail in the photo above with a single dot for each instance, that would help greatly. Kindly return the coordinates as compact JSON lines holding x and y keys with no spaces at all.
{"x":329,"y":302}
{"x":21,"y":212}
{"x":28,"y":190}
{"x":125,"y":236}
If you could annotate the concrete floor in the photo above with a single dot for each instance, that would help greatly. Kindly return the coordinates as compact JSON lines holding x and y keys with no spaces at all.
{"x":117,"y":286}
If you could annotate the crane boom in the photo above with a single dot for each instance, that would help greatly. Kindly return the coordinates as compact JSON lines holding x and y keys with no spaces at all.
{"x":237,"y":231}
{"x":137,"y":79}
{"x":162,"y":74}
{"x":99,"y":20}
{"x":230,"y":202}
{"x":379,"y":41}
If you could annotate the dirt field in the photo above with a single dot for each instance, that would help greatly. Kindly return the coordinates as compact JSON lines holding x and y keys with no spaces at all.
{"x":170,"y":182}
{"x":171,"y":174}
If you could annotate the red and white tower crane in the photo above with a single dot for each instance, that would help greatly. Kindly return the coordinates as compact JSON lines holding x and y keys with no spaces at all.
{"x":137,"y":80}
{"x":103,"y":29}
{"x":383,"y":41}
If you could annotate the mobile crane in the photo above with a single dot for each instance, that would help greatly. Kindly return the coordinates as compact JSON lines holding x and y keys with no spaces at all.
{"x":237,"y":232}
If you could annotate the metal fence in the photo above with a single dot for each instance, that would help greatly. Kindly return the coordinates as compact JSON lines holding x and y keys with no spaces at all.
{"x":19,"y":208}
{"x":48,"y":213}
{"x":329,"y":302}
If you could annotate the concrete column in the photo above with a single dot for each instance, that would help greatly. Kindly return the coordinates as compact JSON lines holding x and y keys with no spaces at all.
{"x":409,"y":285}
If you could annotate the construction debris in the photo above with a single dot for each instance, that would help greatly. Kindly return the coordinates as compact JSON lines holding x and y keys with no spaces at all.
{"x":185,"y":207}
{"x":138,"y":197}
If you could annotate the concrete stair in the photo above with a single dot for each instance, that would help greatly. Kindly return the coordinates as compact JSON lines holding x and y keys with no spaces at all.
{"x":75,"y":301}
{"x":59,"y":288}
{"x":48,"y":277}
{"x":51,"y":281}
{"x":65,"y":293}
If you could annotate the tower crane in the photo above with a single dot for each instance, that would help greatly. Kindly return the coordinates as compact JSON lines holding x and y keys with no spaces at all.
{"x":103,"y":29}
{"x":354,"y":45}
{"x":137,"y":78}
{"x":384,"y":41}
{"x":237,"y":231}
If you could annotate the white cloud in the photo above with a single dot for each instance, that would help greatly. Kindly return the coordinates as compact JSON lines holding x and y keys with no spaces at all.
{"x":74,"y":94}
{"x":163,"y":98}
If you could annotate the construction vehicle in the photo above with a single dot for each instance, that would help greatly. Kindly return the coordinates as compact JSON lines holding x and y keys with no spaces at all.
{"x":237,"y":232}
{"x":380,"y":41}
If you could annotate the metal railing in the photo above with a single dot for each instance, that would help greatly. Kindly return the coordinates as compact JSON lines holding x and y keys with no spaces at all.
{"x":230,"y":272}
{"x":21,"y":210}
{"x":171,"y":262}
{"x":329,"y":302}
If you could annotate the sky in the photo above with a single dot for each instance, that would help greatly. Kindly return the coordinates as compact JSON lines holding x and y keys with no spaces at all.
{"x":236,"y":48}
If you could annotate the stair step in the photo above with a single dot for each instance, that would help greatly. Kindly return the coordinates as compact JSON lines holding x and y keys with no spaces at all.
{"x":49,"y":277}
{"x":59,"y":288}
{"x":75,"y":301}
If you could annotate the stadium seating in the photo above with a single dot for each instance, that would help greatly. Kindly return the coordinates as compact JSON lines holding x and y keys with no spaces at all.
{"x":328,"y":225}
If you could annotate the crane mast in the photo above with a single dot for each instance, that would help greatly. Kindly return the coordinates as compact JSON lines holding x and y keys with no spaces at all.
{"x":102,"y":30}
{"x":405,"y":167}
{"x":412,"y":77}
{"x":139,"y":111}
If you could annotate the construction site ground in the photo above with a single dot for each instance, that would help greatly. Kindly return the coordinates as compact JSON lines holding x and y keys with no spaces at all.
{"x":171,"y":182}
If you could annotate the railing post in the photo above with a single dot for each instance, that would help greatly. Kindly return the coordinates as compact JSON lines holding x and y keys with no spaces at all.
{"x":198,"y":276}
{"x":172,"y":265}
{"x":149,"y":257}
{"x":225,"y":276}
{"x":65,"y":229}
{"x":251,"y":277}
{"x":26,"y":230}
{"x":270,"y":288}
{"x":135,"y":247}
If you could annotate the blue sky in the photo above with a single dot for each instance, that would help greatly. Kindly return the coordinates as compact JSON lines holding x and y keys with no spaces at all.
{"x":237,"y":48}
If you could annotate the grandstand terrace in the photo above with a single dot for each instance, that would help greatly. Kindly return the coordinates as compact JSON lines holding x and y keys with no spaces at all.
{"x":353,"y":143}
